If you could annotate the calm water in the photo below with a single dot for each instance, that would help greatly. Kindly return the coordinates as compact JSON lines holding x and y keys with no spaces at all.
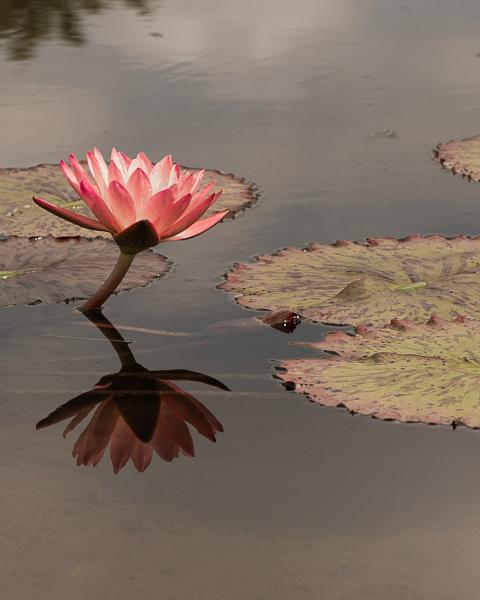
{"x":294,"y":500}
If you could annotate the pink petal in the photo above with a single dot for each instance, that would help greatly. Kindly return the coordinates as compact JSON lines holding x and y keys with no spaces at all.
{"x":145,"y":163}
{"x":163,"y":209}
{"x":77,"y":419}
{"x":122,"y":161}
{"x":99,"y":208}
{"x":122,"y":444}
{"x":181,"y":435}
{"x":121,"y":203}
{"x":101,"y":162}
{"x":125,"y":158}
{"x":198,"y":178}
{"x":70,"y":216}
{"x":140,"y":189}
{"x":190,"y":216}
{"x":187,"y":184}
{"x":199,"y":227}
{"x":142,"y":455}
{"x":160,"y":173}
{"x":162,"y":441}
{"x":187,"y":408}
{"x":91,"y":444}
{"x":70,"y":175}
{"x":114,"y":173}
{"x":135,"y":164}
{"x":97,"y":173}
{"x":201,"y":195}
{"x":79,"y":171}
{"x":175,"y":174}
{"x":191,"y":410}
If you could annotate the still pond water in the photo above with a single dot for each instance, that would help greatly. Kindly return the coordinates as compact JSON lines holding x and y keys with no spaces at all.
{"x":332,"y":108}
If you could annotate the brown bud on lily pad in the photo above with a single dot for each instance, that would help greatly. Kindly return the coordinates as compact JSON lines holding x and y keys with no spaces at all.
{"x":19,"y":216}
{"x":51,"y":270}
{"x":427,"y":372}
{"x":373,"y":282}
{"x":285,"y":321}
{"x":462,"y":157}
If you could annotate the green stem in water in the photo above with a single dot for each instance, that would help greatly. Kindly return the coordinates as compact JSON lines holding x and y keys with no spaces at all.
{"x":110,"y":285}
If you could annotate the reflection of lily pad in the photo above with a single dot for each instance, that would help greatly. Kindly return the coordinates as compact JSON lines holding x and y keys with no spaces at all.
{"x":61,"y":269}
{"x":462,"y":157}
{"x":19,"y":216}
{"x":404,"y":371}
{"x":374,"y":282}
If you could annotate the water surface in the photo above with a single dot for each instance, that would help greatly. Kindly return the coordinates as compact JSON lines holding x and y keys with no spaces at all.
{"x":294,"y":500}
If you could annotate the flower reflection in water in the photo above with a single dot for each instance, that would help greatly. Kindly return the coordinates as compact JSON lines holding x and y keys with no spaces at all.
{"x":137,"y":411}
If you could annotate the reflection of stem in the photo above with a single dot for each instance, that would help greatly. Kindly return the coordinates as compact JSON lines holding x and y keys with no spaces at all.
{"x":113,"y":336}
{"x":111,"y":284}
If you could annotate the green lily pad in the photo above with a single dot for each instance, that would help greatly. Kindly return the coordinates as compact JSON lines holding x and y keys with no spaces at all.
{"x":51,"y":270}
{"x":372,"y":282}
{"x":462,"y":157}
{"x":20,"y":216}
{"x":405,"y":371}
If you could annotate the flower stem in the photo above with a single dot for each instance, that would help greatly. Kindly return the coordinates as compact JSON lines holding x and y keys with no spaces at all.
{"x":120,"y":270}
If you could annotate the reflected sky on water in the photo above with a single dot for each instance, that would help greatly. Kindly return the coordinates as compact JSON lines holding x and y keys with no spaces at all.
{"x":25,"y":25}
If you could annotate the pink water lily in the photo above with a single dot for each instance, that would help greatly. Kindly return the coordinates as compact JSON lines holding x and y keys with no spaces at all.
{"x":127,"y":191}
{"x":140,"y":203}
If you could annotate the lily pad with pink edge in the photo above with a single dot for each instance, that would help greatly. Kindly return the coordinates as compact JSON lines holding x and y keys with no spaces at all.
{"x":365,"y":283}
{"x":461,"y":157}
{"x":425,"y":372}
{"x":52,"y":270}
{"x":19,"y":216}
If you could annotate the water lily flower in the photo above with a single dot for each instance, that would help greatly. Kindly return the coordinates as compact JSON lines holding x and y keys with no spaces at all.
{"x":137,"y":412}
{"x":140,"y":203}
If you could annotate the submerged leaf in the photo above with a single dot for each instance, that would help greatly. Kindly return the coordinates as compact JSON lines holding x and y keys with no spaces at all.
{"x":462,"y":157}
{"x":19,"y":216}
{"x":405,"y":371}
{"x":373,"y":282}
{"x":54,"y":270}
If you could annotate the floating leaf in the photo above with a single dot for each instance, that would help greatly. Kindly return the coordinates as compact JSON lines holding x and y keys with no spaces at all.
{"x":462,"y":157}
{"x":19,"y":216}
{"x":373,"y":282}
{"x":405,"y":371}
{"x":61,"y":269}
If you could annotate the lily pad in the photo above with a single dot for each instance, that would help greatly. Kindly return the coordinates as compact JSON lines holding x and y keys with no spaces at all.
{"x":405,"y":371}
{"x":19,"y":216}
{"x":51,"y":270}
{"x":462,"y":157}
{"x":372,"y":282}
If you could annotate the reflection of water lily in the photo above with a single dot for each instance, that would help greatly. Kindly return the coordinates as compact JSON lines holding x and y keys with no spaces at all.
{"x":137,"y":412}
{"x":140,"y":203}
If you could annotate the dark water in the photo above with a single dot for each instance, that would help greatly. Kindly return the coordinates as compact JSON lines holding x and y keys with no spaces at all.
{"x":294,"y":500}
